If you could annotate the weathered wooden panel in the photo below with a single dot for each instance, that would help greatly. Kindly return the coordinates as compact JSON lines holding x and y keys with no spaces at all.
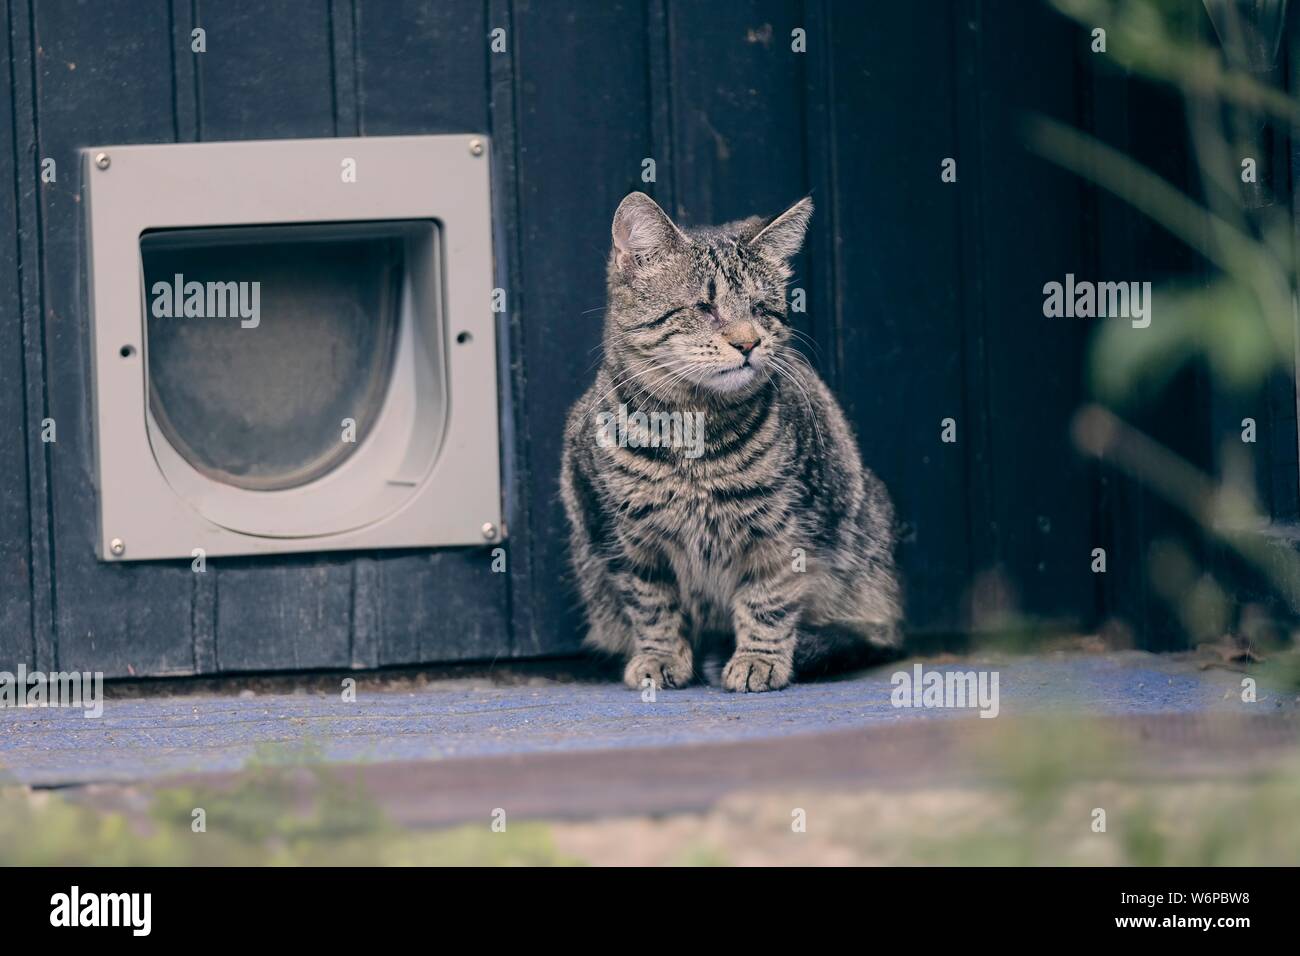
{"x":583,"y":132}
{"x":103,"y":75}
{"x":296,"y":610}
{"x":1143,"y":119}
{"x":272,"y":624}
{"x":421,"y":68}
{"x":737,"y":109}
{"x":1033,"y":516}
{"x":267,"y":71}
{"x":441,"y":606}
{"x":16,"y":422}
{"x":736,"y":91}
{"x":899,"y":306}
{"x":821,"y":322}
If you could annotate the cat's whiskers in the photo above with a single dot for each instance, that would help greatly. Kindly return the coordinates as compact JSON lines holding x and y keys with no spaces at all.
{"x":675,"y":370}
{"x":646,"y":367}
{"x":805,"y":337}
{"x":642,"y":368}
{"x":686,"y":370}
{"x":789,"y":373}
{"x":795,"y":355}
{"x":611,"y":338}
{"x":631,"y":375}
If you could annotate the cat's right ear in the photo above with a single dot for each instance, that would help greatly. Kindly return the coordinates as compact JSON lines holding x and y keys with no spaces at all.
{"x":643,"y":232}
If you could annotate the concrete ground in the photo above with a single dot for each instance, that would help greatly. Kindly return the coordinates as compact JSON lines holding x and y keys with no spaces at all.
{"x":436,"y":719}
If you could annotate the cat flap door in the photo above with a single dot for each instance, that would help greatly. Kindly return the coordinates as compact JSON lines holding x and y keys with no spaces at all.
{"x":293,"y":346}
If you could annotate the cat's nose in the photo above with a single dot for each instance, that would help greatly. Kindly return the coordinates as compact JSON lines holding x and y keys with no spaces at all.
{"x":743,"y":337}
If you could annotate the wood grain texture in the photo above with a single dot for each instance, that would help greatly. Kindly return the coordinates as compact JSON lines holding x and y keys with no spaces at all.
{"x":582,"y":135}
{"x":1032,"y":517}
{"x":901,"y":308}
{"x":295,"y":611}
{"x":103,"y":74}
{"x":1141,"y":119}
{"x":20,"y":426}
{"x":422,"y":67}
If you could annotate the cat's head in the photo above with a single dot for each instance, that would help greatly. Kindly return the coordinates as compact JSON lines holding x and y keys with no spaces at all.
{"x":699,"y":309}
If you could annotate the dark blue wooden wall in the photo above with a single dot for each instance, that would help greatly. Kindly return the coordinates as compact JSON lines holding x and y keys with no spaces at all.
{"x":924,"y":297}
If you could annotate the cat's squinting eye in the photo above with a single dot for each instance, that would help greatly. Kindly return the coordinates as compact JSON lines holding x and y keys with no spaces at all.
{"x":706,"y":309}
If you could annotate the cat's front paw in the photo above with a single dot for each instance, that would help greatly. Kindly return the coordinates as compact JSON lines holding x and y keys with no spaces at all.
{"x":751,"y":673}
{"x":662,"y":669}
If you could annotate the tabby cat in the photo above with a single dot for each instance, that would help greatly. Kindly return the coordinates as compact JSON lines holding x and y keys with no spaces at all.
{"x":714,"y":491}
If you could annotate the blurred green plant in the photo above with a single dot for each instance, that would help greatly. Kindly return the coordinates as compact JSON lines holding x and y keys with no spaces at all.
{"x":1159,"y":39}
{"x":1032,"y":804}
{"x":1052,"y":778}
{"x":286,"y":809}
{"x":1243,"y":324}
{"x":1239,"y":327}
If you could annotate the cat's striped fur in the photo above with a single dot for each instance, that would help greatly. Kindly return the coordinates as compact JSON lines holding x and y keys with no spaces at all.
{"x":771,"y":530}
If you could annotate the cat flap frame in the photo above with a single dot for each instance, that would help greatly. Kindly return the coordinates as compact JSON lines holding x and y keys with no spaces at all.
{"x":427,"y":472}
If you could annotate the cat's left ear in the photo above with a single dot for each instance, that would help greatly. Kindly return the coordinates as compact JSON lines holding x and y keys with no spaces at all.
{"x":782,"y":238}
{"x":643,"y":232}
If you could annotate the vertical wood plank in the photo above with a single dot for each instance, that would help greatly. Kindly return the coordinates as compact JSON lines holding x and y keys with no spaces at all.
{"x":289,"y":611}
{"x":661,"y":92}
{"x":967,"y":39}
{"x":823,"y":319}
{"x":1143,"y":119}
{"x":18,"y":525}
{"x":903,"y":322}
{"x":738,"y":126}
{"x":103,"y":74}
{"x":185,"y":123}
{"x":583,"y":132}
{"x":185,"y":70}
{"x":526,"y":638}
{"x":737,"y":109}
{"x":423,"y":67}
{"x":267,"y":72}
{"x":286,"y":615}
{"x":344,"y":62}
{"x":1040,"y":521}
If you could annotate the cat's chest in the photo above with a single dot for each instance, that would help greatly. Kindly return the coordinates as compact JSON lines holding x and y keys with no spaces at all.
{"x":711,"y":529}
{"x":701,"y":517}
{"x":713,"y":517}
{"x":708,"y":545}
{"x":710,"y":506}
